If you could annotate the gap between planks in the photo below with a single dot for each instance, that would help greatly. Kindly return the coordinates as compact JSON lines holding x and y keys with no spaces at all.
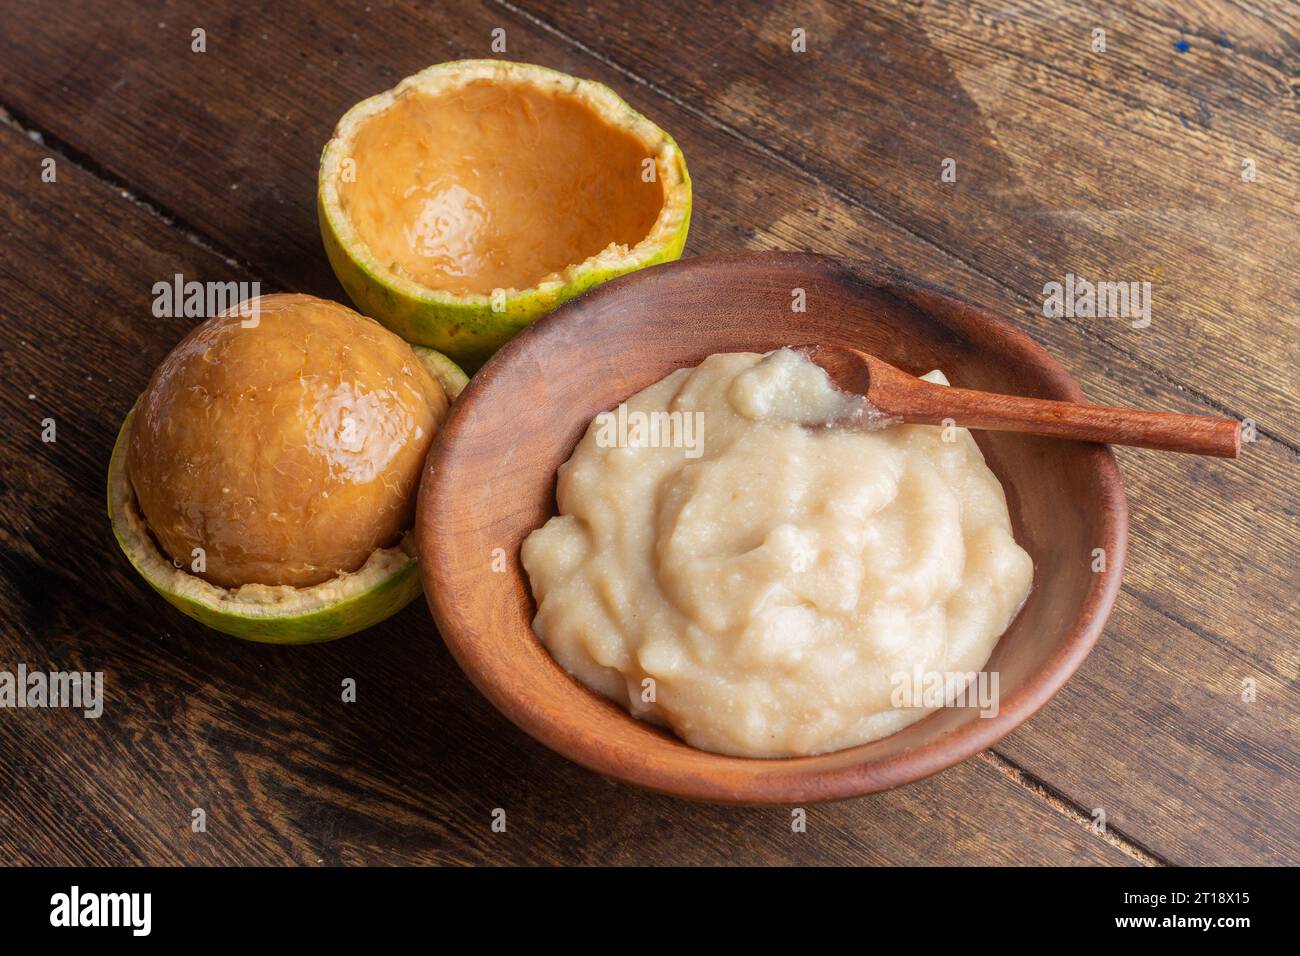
{"x":1077,"y":815}
{"x":850,"y":199}
{"x":24,"y":126}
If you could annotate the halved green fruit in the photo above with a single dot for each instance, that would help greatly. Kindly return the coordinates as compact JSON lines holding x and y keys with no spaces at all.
{"x":477,"y":195}
{"x":343,"y":605}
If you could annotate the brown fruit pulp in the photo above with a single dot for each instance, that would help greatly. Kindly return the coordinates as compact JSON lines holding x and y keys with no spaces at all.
{"x":495,"y":186}
{"x":288,"y":450}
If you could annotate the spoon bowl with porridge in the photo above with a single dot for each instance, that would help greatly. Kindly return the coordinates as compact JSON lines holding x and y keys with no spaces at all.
{"x":655,"y":566}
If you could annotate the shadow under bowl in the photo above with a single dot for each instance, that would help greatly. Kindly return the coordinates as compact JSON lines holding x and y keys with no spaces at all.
{"x":490,"y":481}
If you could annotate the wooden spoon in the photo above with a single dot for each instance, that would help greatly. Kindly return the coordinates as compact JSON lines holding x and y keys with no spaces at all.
{"x":909,"y":399}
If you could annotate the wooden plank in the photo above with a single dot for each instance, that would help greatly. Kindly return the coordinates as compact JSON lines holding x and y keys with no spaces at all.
{"x":1116,"y":166}
{"x":1230,"y":529}
{"x":258,"y":737}
{"x":1178,"y":740}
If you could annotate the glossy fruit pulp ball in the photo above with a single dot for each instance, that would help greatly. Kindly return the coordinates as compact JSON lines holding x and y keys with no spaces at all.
{"x":288,"y":444}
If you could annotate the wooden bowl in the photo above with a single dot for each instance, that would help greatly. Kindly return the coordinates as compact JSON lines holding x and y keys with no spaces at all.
{"x":490,"y":480}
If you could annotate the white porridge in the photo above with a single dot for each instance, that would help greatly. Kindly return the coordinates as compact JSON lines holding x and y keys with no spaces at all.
{"x":759,"y":588}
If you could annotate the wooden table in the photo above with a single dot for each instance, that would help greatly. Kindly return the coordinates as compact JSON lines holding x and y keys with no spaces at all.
{"x":1170,"y":158}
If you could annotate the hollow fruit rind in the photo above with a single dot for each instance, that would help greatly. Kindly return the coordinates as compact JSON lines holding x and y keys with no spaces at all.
{"x":466,"y":326}
{"x":348,"y":603}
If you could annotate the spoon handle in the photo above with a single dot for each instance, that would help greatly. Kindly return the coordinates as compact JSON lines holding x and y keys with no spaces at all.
{"x":1194,"y":434}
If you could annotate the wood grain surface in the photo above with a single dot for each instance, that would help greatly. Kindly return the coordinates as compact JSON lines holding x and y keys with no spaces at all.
{"x":1123,"y":165}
